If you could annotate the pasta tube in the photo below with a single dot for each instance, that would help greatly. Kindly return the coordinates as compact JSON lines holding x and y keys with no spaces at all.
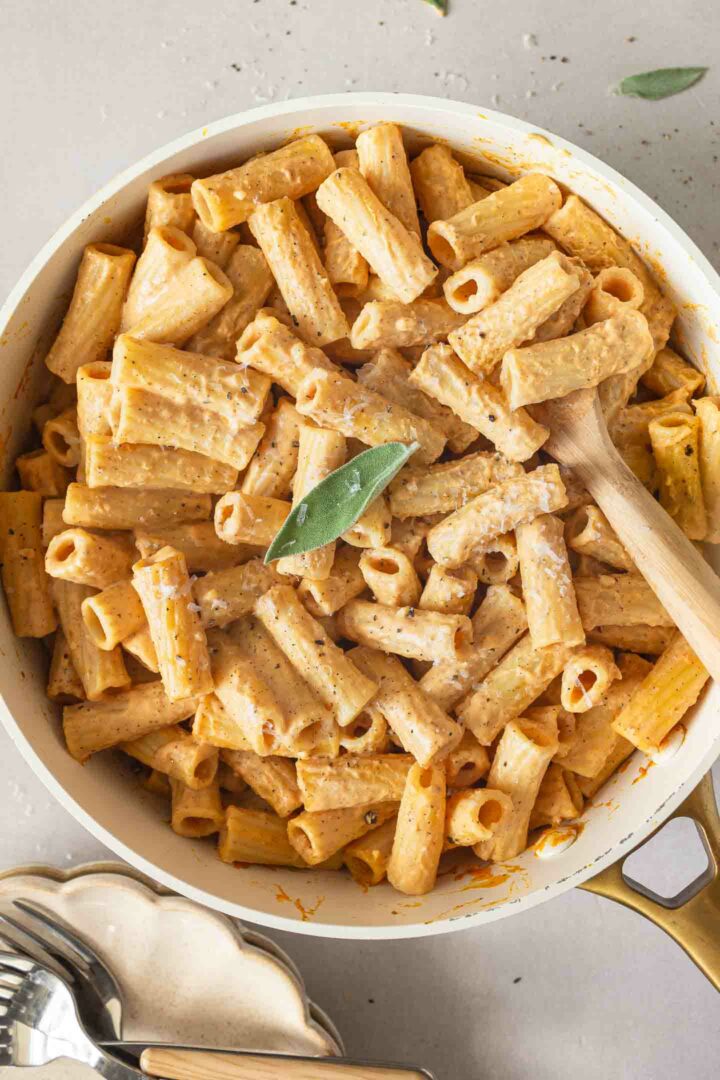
{"x":451,"y":592}
{"x":663,"y":697}
{"x":558,"y":799}
{"x":93,"y":318}
{"x":524,"y":752}
{"x":149,"y":467}
{"x":249,"y":519}
{"x":320,"y":452}
{"x":333,"y":677}
{"x":274,"y":779}
{"x":391,"y":576}
{"x":420,"y":832}
{"x":515,"y":316}
{"x":225,"y":595}
{"x":504,"y":215}
{"x":163,"y":585}
{"x":218,"y":247}
{"x":203,"y":549}
{"x":156,"y":420}
{"x":169,"y":203}
{"x":192,"y":297}
{"x":383,"y":162}
{"x":588,"y":532}
{"x":510,"y":503}
{"x":392,"y":324}
{"x":583,"y":233}
{"x":89,"y":559}
{"x":167,"y":250}
{"x":423,"y":635}
{"x":270,"y":347}
{"x":176,"y":753}
{"x":472,"y":816}
{"x":92,"y":726}
{"x":440,"y":184}
{"x":367,"y":857}
{"x":195,"y":813}
{"x":41,"y":473}
{"x":618,"y":599}
{"x":189,"y":379}
{"x":249,"y":274}
{"x":122,"y":508}
{"x":372,"y":528}
{"x":553,"y":369}
{"x":389,"y":375}
{"x":352,"y":780}
{"x":272,"y":467}
{"x":675,"y":442}
{"x":651,"y":640}
{"x":423,"y":728}
{"x":393,"y":253}
{"x":94,"y":393}
{"x":213,"y":724}
{"x":708,"y":413}
{"x":467,"y":763}
{"x":497,"y":624}
{"x":253,"y":836}
{"x":499,"y":562}
{"x":26,"y":585}
{"x":443,"y":376}
{"x":334,"y":401}
{"x":483,"y":280}
{"x":368,"y":733}
{"x":344,"y":582}
{"x":63,"y":685}
{"x":548,"y":592}
{"x":61,"y":438}
{"x":294,"y":170}
{"x":318,"y":835}
{"x":112,"y":615}
{"x":587,"y":677}
{"x":670,"y":372}
{"x":615,"y":287}
{"x":508,"y":689}
{"x":98,"y":670}
{"x":298,"y":271}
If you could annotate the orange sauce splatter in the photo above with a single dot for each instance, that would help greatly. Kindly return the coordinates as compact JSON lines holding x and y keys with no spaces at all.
{"x":643,"y":771}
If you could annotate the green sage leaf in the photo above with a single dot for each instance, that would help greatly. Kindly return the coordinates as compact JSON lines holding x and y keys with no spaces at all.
{"x":336,"y":503}
{"x":662,"y":83}
{"x":439,"y":5}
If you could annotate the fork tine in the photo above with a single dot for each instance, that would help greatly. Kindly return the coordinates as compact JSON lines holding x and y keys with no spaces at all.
{"x":15,"y":963}
{"x":47,"y":947}
{"x":57,"y":929}
{"x":10,"y":982}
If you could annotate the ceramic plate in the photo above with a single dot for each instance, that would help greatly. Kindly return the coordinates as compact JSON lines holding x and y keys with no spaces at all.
{"x":188,"y":974}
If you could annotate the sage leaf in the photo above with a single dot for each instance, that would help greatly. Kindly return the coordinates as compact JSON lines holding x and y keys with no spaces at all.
{"x":662,"y":83}
{"x":440,"y":6}
{"x":336,"y":503}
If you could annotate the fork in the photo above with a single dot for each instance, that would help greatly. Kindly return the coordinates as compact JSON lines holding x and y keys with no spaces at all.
{"x":97,"y":991}
{"x":39,"y":1022}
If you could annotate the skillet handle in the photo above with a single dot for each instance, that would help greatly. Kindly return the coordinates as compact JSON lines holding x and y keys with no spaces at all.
{"x":692,"y":918}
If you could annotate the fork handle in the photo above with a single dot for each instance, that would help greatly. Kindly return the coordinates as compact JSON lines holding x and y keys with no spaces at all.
{"x":204,"y":1065}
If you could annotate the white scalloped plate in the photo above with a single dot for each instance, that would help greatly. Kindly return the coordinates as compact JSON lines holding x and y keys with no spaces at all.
{"x":188,"y":974}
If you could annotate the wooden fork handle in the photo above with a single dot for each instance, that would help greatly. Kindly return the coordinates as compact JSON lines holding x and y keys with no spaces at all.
{"x":208,"y":1065}
{"x":677,"y":573}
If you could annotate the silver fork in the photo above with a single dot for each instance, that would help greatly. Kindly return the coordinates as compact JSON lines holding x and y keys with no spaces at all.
{"x":39,"y":1022}
{"x":47,"y":937}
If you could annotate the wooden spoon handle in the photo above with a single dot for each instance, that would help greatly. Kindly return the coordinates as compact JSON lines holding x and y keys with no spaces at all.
{"x":207,"y":1065}
{"x":685,"y":584}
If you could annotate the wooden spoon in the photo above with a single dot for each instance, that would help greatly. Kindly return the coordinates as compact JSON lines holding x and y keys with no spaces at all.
{"x":674,"y":569}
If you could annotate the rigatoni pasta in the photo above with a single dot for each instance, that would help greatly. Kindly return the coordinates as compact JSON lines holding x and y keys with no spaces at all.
{"x":467,"y":661}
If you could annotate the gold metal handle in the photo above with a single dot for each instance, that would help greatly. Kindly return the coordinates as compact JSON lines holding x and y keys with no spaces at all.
{"x":692,"y":918}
